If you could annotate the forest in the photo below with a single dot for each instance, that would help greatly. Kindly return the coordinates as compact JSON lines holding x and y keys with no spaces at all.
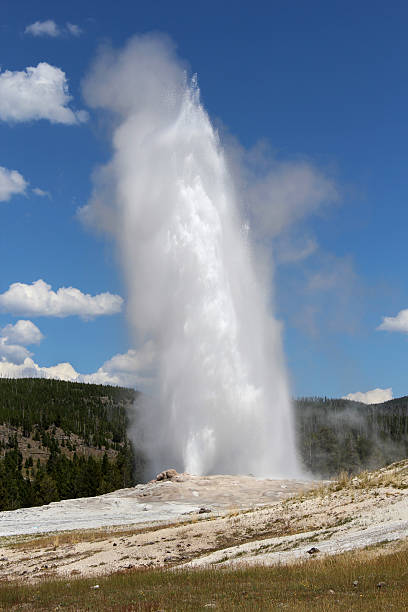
{"x":61,"y":440}
{"x":335,"y":435}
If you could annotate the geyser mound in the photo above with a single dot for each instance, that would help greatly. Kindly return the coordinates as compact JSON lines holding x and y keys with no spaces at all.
{"x":220,"y":402}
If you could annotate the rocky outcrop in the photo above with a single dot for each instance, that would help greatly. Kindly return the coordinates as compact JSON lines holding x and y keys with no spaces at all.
{"x":167,"y":475}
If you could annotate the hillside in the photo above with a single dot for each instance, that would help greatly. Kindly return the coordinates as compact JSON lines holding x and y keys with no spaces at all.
{"x":61,"y":440}
{"x":337,"y":434}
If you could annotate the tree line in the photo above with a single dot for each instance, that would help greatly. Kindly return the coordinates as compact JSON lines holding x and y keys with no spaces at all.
{"x":24,"y":485}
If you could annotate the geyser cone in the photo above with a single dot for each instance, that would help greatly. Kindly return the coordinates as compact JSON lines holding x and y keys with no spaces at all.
{"x":221,"y":400}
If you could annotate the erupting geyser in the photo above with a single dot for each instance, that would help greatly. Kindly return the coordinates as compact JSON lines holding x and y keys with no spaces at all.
{"x":221,"y":401}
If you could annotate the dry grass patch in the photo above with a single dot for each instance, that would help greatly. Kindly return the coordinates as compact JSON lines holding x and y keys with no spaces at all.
{"x":394,"y":476}
{"x":61,"y":538}
{"x":352,"y":581}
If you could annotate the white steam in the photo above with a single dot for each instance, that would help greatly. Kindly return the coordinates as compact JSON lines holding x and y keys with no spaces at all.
{"x":221,"y":399}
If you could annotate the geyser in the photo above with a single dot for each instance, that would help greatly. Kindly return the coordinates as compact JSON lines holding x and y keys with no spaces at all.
{"x":220,"y":402}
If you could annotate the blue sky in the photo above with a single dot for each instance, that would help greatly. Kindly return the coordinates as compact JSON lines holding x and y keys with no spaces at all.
{"x":322,"y":83}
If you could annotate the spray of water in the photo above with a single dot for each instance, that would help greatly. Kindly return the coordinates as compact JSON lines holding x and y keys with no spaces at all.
{"x":221,"y":400}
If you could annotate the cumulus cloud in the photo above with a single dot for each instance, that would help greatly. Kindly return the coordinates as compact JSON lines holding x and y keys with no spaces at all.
{"x":375,"y":396}
{"x":50,"y":28}
{"x":399,"y":323}
{"x":39,"y":300}
{"x":29,"y":369}
{"x":14,"y":338}
{"x":38,"y":92}
{"x":12,"y":353}
{"x":23,"y":332}
{"x":11,"y":183}
{"x":43,"y":28}
{"x":131,"y":369}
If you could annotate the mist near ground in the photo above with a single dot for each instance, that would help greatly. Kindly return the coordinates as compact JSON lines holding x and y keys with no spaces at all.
{"x":335,"y":435}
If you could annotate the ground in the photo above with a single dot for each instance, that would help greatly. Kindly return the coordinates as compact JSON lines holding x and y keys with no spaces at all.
{"x":205,"y":522}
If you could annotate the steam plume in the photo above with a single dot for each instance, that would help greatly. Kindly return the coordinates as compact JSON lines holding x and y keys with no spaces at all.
{"x":221,"y":402}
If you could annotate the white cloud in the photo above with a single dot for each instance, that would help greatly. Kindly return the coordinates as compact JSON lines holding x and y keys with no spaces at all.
{"x":12,"y":353}
{"x":73,"y":29}
{"x":375,"y":396}
{"x":39,"y":92}
{"x":11,"y":183}
{"x":23,"y":332}
{"x":12,"y":337}
{"x":50,"y":28}
{"x":43,"y":28}
{"x":397,"y":324}
{"x":38,"y":299}
{"x":29,"y":369}
{"x":130,"y":369}
{"x":41,"y":192}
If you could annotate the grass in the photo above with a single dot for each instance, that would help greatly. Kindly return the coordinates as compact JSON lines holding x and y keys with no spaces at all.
{"x":394,"y":476}
{"x":318,"y":585}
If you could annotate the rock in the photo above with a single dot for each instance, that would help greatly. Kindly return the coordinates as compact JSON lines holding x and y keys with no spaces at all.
{"x":204,"y":510}
{"x":167,"y":474}
{"x":313,"y":550}
{"x":355,"y":583}
{"x":331,"y":592}
{"x":96,"y":586}
{"x":380,"y":585}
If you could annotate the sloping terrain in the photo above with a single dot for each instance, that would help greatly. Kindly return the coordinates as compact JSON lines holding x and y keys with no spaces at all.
{"x":61,"y":440}
{"x":192,"y":522}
